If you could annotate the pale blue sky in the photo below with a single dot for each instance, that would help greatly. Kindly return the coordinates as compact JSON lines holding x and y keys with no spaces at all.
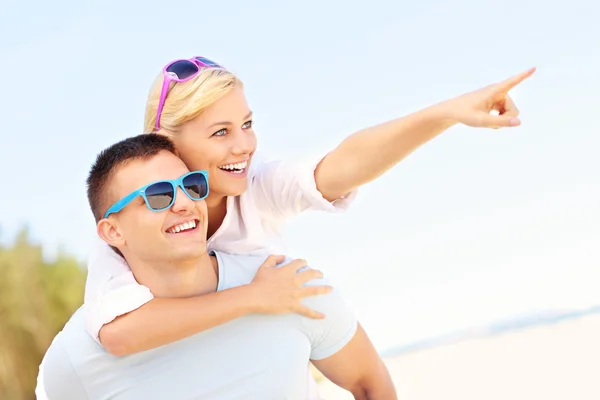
{"x":482,"y":224}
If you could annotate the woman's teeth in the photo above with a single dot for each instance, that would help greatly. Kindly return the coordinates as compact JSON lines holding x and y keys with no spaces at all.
{"x":182,"y":227}
{"x":236,"y":168}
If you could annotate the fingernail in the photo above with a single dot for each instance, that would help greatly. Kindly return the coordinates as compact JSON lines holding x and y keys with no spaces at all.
{"x":514,"y":122}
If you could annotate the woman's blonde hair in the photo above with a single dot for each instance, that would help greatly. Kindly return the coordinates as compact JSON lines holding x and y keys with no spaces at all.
{"x":187,"y":100}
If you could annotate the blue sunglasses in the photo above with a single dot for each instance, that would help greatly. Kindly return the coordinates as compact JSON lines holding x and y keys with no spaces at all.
{"x":161,"y":195}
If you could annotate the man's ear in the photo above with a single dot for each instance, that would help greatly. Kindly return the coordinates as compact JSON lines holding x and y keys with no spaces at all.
{"x":110,"y":233}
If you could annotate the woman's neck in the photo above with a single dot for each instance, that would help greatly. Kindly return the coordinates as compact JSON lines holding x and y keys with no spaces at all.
{"x":217,"y":209}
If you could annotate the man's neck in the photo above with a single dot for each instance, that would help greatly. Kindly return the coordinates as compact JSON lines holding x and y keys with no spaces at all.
{"x":182,"y":279}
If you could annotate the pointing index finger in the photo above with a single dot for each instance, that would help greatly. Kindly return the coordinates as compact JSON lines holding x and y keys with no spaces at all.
{"x":513,"y":81}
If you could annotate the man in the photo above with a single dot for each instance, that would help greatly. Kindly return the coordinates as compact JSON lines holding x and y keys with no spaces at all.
{"x":150,"y":209}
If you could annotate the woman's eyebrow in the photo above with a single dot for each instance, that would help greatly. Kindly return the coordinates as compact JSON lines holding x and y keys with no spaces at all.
{"x":228,"y":122}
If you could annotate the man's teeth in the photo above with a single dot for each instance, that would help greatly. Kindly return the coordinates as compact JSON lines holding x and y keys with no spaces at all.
{"x":182,"y":227}
{"x":236,"y":168}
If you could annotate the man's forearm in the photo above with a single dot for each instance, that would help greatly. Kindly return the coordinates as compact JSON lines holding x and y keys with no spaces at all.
{"x":367,"y":154}
{"x":367,"y":379}
{"x":378,"y":385}
{"x":162,"y":321}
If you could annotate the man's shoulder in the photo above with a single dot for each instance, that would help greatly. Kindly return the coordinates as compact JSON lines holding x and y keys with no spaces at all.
{"x":74,"y":335}
{"x":244,"y":260}
{"x":76,"y":323}
{"x":237,"y":269}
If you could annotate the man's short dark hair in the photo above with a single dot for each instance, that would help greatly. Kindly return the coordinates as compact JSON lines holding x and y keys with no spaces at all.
{"x":110,"y":159}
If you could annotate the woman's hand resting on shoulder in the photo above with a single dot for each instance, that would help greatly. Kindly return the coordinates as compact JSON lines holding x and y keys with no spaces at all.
{"x":280,"y":289}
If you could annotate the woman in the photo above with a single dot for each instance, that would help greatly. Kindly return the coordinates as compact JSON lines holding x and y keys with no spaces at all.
{"x":202,"y":107}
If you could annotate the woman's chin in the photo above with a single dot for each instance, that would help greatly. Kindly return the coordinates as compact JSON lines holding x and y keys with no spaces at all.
{"x":231,"y":188}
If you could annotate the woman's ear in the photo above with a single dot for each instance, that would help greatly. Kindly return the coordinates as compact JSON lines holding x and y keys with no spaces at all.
{"x":110,"y":233}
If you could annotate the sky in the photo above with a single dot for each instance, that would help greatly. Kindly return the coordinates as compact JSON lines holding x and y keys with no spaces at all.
{"x":474,"y":226}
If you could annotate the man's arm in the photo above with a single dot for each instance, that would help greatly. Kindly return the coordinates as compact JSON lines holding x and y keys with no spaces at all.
{"x":358,"y":368}
{"x":160,"y":321}
{"x":341,"y":350}
{"x":367,"y":154}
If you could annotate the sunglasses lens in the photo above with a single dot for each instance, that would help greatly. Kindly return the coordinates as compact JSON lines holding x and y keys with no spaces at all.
{"x":196,"y":186}
{"x":183,"y":69}
{"x":207,"y":62}
{"x":160,"y":195}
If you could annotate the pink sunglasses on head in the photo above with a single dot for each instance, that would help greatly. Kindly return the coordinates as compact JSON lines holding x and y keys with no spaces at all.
{"x":181,"y":71}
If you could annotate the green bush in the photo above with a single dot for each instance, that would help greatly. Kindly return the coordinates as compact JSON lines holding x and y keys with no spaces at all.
{"x":36,"y":299}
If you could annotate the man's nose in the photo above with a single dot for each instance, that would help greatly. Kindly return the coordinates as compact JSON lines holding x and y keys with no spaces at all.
{"x":182,"y":202}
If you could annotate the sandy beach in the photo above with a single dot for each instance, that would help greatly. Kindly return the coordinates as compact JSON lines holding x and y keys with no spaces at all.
{"x":549,"y":362}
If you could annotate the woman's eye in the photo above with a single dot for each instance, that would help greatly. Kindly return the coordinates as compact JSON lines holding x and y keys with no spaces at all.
{"x":247,"y":125}
{"x":220,"y":132}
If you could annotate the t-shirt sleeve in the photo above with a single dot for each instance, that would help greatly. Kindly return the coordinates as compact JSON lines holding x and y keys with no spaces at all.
{"x":287,"y":188}
{"x":58,"y":379}
{"x":331,"y":334}
{"x":111,"y":289}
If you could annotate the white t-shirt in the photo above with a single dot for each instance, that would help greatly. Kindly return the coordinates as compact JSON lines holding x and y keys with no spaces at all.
{"x":253,"y":357}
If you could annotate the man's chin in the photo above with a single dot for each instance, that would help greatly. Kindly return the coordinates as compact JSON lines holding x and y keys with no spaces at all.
{"x":191,"y":248}
{"x":189,"y":254}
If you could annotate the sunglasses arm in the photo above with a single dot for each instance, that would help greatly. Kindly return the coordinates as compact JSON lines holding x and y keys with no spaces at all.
{"x":119,"y":205}
{"x":163,"y":95}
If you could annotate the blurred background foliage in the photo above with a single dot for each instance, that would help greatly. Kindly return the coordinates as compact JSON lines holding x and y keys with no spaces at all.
{"x":37,"y":297}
